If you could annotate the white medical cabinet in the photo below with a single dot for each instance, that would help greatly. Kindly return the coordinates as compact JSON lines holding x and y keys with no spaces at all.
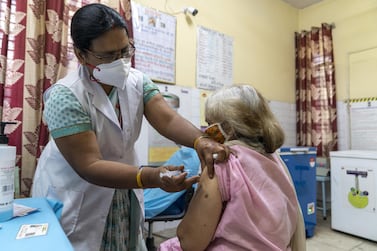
{"x":353,"y":192}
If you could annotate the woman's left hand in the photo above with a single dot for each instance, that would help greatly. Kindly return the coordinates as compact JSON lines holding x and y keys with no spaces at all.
{"x":210,"y":152}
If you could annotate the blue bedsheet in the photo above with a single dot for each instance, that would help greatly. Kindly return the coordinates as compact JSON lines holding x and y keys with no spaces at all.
{"x":156,"y":200}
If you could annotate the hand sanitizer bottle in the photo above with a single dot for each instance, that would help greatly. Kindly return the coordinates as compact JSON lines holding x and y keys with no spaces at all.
{"x":7,"y":165}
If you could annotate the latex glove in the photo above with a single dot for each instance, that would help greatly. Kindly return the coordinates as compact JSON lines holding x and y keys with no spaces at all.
{"x":174,"y":179}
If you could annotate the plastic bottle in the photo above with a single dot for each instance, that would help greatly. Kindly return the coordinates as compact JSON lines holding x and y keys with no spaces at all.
{"x":7,"y":166}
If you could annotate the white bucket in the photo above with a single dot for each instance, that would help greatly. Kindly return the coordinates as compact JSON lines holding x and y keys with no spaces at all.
{"x":7,"y":166}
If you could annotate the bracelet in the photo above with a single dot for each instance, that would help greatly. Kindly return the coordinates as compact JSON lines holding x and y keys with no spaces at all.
{"x":196,"y":141}
{"x":138,"y":178}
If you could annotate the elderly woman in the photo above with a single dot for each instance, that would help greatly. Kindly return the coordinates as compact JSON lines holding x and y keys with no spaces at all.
{"x":251,"y":202}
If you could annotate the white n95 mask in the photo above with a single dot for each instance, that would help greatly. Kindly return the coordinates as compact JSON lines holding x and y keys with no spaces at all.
{"x":114,"y":73}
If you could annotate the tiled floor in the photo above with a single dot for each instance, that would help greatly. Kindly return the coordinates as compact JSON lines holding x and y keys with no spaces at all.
{"x":324,"y":239}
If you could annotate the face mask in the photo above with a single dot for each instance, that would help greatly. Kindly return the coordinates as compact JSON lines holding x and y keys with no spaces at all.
{"x":216,"y":132}
{"x":114,"y":73}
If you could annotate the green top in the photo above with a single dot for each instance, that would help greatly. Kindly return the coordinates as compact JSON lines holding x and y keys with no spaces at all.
{"x":65,"y":115}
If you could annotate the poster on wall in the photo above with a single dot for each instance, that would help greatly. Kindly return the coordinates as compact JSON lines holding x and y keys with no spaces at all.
{"x":155,"y":42}
{"x":183,"y":100}
{"x":203,"y":95}
{"x":214,"y":59}
{"x":363,"y":118}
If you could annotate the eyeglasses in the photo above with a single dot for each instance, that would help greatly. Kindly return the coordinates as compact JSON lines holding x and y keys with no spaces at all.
{"x":126,"y":52}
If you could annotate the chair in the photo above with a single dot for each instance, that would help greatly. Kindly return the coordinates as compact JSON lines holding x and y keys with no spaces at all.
{"x":174,"y":212}
{"x":162,"y":206}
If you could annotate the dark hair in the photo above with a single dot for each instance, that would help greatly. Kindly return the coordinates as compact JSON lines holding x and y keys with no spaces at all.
{"x":91,"y":21}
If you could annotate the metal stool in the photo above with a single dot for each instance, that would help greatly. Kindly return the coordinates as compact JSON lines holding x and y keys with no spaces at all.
{"x":323,"y":180}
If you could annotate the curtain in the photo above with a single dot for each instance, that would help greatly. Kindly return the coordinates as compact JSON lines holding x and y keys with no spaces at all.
{"x":35,"y":51}
{"x":316,"y":115}
{"x":125,"y":11}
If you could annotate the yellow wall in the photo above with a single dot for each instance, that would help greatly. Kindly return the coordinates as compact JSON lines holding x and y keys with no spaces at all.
{"x":356,"y":31}
{"x":263,"y":33}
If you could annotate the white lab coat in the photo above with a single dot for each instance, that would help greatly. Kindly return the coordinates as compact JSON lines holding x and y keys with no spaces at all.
{"x":86,"y":205}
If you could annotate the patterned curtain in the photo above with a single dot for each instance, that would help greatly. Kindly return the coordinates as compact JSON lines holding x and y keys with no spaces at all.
{"x":35,"y":51}
{"x":125,"y":11}
{"x":315,"y":90}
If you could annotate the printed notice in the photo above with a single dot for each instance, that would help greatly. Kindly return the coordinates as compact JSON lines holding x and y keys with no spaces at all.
{"x":214,"y":59}
{"x":363,"y":117}
{"x":154,"y":38}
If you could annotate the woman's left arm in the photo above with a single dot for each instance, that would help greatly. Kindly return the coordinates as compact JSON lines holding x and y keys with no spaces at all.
{"x":169,"y":123}
{"x":198,"y":226}
{"x":178,"y":129}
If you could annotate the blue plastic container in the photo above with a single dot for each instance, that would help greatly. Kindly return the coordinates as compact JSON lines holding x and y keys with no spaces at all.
{"x":301,"y":165}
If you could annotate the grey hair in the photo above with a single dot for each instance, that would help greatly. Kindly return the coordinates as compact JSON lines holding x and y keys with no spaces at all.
{"x":245,"y":115}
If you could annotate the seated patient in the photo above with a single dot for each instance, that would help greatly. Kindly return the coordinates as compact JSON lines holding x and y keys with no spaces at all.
{"x":251,"y":203}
